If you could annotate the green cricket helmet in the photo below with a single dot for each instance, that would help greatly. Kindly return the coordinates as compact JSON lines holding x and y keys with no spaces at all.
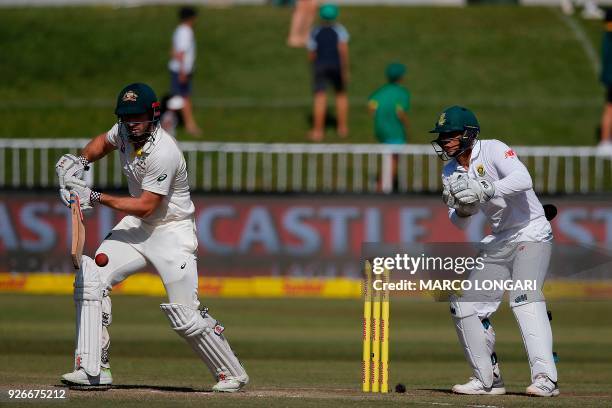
{"x":329,"y":12}
{"x":135,"y":99}
{"x":455,"y":119}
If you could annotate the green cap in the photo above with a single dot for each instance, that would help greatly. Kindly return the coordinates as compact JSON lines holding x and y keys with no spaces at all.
{"x":136,"y":98}
{"x":395,"y":71}
{"x":329,"y":12}
{"x":455,"y":119}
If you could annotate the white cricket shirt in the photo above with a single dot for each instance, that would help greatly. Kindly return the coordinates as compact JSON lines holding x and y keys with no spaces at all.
{"x":159,"y":168}
{"x":183,"y":41}
{"x":515,"y":212}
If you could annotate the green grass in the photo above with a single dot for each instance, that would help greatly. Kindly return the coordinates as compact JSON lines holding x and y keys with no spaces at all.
{"x":298,"y":353}
{"x":520,"y":68}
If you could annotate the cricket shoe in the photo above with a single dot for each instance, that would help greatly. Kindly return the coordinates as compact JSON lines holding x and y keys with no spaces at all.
{"x":82,"y":379}
{"x":476,"y":387}
{"x":592,"y":12}
{"x":567,"y":7}
{"x":543,"y":387}
{"x":604,"y":148}
{"x":231,"y":384}
{"x":498,"y":381}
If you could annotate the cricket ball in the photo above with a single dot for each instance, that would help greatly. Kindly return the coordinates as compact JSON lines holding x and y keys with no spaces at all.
{"x":101,"y":259}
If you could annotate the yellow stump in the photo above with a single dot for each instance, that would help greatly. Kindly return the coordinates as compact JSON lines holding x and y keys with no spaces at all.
{"x":375,"y":361}
{"x":375,"y":370}
{"x":367,"y":317}
{"x":384,"y":338}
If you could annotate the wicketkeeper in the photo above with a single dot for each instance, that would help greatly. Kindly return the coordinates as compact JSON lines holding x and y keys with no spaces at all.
{"x":487,"y":176}
{"x":159,"y":230}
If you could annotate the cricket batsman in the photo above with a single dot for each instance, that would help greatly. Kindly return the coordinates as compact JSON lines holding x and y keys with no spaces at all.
{"x":487,"y":176}
{"x":159,"y":230}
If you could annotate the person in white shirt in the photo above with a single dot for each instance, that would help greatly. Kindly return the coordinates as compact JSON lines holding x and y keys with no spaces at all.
{"x":487,"y":176}
{"x":159,"y":230}
{"x":182,"y":64}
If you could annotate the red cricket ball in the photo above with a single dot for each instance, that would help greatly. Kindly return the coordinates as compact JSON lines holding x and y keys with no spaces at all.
{"x":101,"y":259}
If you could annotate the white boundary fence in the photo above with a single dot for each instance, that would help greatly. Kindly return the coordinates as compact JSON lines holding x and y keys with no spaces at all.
{"x":219,"y":3}
{"x":260,"y":167}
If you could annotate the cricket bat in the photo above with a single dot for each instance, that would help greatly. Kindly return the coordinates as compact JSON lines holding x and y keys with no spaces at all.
{"x":78,"y":230}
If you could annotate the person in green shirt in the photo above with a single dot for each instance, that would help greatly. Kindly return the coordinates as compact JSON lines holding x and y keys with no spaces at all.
{"x":389,"y":105}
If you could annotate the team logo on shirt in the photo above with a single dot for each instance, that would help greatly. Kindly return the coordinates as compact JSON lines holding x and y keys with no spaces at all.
{"x":218,"y":329}
{"x":509,"y":153}
{"x":130,"y":96}
{"x":140,"y":164}
{"x":442,"y":119}
{"x":162,"y":178}
{"x":480,"y":170}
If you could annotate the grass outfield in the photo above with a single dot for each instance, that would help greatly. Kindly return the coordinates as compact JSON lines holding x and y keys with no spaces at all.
{"x":523,"y":70}
{"x":299,"y":353}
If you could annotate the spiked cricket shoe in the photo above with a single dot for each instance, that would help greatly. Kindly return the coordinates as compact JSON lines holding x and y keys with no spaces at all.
{"x":543,"y":387}
{"x":231,"y":384}
{"x":476,"y":387}
{"x":81,"y":378}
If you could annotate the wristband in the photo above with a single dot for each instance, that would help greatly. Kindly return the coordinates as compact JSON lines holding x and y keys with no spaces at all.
{"x":84,"y":162}
{"x":94,"y":197}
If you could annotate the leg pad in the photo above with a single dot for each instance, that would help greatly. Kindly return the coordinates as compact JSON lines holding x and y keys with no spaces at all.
{"x":205,"y":336}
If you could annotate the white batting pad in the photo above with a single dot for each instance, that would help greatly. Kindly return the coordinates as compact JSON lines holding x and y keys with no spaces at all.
{"x":473,"y":339}
{"x":205,"y":335}
{"x":88,"y":301}
{"x":490,"y":337}
{"x":537,"y":336}
{"x":107,"y":319}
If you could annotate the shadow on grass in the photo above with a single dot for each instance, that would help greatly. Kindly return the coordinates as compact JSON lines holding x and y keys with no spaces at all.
{"x":447,"y":391}
{"x":161,"y":388}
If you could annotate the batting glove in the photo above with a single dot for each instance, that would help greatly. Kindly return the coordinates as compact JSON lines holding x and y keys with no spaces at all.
{"x":70,"y":165}
{"x":87,"y":196}
{"x":65,"y":196}
{"x":469,"y":191}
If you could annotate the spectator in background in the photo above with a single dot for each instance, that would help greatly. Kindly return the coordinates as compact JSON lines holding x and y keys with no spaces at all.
{"x":301,"y":22}
{"x":171,"y":116}
{"x":606,"y":78}
{"x":182,"y":63}
{"x":329,"y":55}
{"x":389,"y":105}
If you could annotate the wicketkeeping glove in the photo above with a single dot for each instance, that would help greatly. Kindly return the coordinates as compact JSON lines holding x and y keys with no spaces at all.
{"x":463,"y":210}
{"x":447,"y":196}
{"x":468,"y":191}
{"x":87,"y":196}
